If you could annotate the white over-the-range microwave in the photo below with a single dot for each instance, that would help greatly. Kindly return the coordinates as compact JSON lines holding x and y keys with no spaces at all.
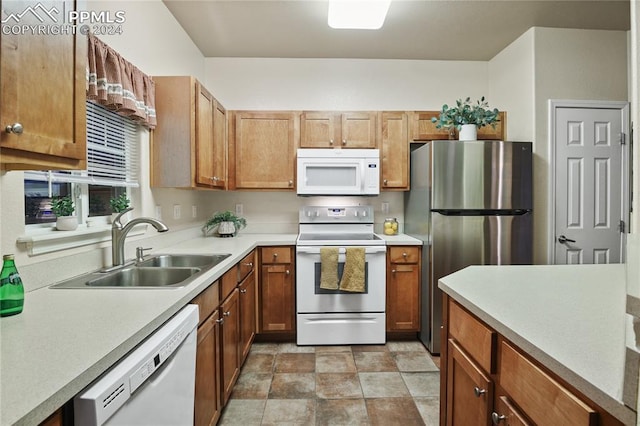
{"x":338,"y":172}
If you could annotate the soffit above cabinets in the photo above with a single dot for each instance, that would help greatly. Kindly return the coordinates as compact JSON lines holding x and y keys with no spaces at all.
{"x":413,"y":29}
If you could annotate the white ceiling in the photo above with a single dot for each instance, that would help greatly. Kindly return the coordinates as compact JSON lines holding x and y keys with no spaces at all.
{"x":414,"y":29}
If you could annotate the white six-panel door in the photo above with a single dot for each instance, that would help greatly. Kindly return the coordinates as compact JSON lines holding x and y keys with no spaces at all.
{"x":590,"y":184}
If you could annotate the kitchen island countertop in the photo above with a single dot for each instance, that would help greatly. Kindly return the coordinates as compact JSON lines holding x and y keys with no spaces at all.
{"x":569,"y":318}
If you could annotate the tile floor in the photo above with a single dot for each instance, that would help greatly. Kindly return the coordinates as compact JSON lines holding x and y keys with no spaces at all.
{"x":281,"y":383}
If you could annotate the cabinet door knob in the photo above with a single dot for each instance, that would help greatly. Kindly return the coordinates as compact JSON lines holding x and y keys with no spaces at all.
{"x":344,"y":141}
{"x":15,"y":128}
{"x":479,"y":392}
{"x":275,"y":255}
{"x":250,"y":264}
{"x":228,"y":313}
{"x":497,"y":418}
{"x":405,"y":255}
{"x":330,"y":141}
{"x":290,"y":183}
{"x":220,"y":321}
{"x":243,"y":291}
{"x":385,"y":182}
{"x":287,"y":272}
{"x":393,"y":271}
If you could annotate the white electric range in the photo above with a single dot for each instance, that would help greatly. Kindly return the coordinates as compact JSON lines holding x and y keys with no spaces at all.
{"x":336,"y":317}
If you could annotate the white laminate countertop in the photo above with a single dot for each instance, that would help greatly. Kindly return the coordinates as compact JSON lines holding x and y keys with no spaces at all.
{"x":66,"y":338}
{"x":400,"y":240}
{"x":570,"y":318}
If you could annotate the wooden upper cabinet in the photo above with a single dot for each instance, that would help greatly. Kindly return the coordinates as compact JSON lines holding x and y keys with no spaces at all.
{"x":394,"y":150}
{"x":43,"y":91}
{"x":262,"y":150}
{"x":189,"y":142}
{"x":338,"y":130}
{"x":423,"y":129}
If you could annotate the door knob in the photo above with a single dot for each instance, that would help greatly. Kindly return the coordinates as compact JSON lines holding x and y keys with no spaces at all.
{"x":15,"y":128}
{"x":563,"y":240}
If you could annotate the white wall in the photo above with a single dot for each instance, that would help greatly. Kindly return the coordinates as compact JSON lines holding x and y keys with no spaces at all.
{"x":570,"y":64}
{"x":153,"y":41}
{"x":342,"y":84}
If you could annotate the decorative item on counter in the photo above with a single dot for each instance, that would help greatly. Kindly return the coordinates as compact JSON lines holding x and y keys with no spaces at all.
{"x":118,"y":205}
{"x":390,"y":226}
{"x":63,"y":208}
{"x":227,"y":224}
{"x":467,"y":118}
{"x":11,"y":288}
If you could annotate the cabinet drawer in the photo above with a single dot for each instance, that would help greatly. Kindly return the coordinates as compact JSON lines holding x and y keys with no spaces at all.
{"x":475,"y":337}
{"x":246,"y":265}
{"x":404,"y":254}
{"x":228,"y":282}
{"x":276,"y":254}
{"x":207,"y":301}
{"x":543,"y":400}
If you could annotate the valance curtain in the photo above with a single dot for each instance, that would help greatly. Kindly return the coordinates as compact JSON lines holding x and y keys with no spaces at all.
{"x":118,"y":85}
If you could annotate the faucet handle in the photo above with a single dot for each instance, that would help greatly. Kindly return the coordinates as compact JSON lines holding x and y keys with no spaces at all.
{"x":140,"y":253}
{"x":116,"y":222}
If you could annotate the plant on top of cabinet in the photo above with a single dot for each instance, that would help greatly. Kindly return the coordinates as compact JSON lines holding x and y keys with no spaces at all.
{"x":467,"y":116}
{"x":228,"y":224}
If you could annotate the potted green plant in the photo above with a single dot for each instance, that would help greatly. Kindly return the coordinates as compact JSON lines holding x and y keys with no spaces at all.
{"x":227,"y":223}
{"x":467,"y":117}
{"x":118,"y":205}
{"x":63,"y":208}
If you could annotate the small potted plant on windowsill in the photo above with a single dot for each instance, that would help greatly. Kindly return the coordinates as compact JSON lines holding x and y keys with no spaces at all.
{"x":227,"y":224}
{"x":467,"y":117}
{"x":118,"y":205}
{"x":63,"y":208}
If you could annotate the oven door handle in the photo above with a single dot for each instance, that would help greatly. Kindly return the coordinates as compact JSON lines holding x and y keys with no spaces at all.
{"x":341,"y":250}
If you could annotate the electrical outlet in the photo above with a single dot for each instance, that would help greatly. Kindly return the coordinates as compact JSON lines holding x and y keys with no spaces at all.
{"x":385,"y":207}
{"x":239,"y":209}
{"x":176,"y":211}
{"x":194,"y":211}
{"x":158,"y":212}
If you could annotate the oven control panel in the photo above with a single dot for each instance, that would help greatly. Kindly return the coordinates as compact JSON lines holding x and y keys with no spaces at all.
{"x":336,"y":214}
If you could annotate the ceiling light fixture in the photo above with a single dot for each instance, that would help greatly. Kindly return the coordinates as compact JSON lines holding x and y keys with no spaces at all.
{"x":358,"y":14}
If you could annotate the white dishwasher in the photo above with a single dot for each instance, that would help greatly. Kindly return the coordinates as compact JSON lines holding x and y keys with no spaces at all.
{"x":152,"y":385}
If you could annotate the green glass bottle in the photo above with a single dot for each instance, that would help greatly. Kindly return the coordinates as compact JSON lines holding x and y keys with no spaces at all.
{"x":11,"y":289}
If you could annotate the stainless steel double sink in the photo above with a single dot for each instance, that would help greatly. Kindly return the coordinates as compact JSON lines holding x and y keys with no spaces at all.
{"x":160,"y":271}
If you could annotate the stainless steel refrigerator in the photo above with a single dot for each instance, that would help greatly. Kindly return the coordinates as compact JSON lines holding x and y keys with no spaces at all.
{"x":471,"y":204}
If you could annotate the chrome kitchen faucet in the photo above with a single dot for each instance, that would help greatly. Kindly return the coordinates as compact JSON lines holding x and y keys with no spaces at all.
{"x":119,"y":233}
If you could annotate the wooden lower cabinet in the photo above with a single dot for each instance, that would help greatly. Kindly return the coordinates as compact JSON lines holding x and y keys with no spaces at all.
{"x":247,"y":292}
{"x":277,"y":289}
{"x":229,"y":338}
{"x":487,"y":380}
{"x":403,"y":289}
{"x":208,"y":404}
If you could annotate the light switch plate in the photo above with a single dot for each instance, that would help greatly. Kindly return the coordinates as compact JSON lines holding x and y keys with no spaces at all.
{"x":176,"y":211}
{"x":239,"y":209}
{"x":385,"y":207}
{"x":194,"y":211}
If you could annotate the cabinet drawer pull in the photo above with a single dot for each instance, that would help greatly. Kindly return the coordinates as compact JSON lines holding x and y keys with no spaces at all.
{"x":250,"y":264}
{"x":275,"y":255}
{"x":15,"y":128}
{"x":479,"y":392}
{"x":404,"y":254}
{"x":497,"y":418}
{"x":220,"y":321}
{"x":243,"y":291}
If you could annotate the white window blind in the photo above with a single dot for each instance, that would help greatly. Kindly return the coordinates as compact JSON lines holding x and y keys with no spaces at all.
{"x":112,"y":152}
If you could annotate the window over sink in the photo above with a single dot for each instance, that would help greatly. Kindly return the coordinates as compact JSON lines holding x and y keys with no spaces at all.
{"x":112,"y":170}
